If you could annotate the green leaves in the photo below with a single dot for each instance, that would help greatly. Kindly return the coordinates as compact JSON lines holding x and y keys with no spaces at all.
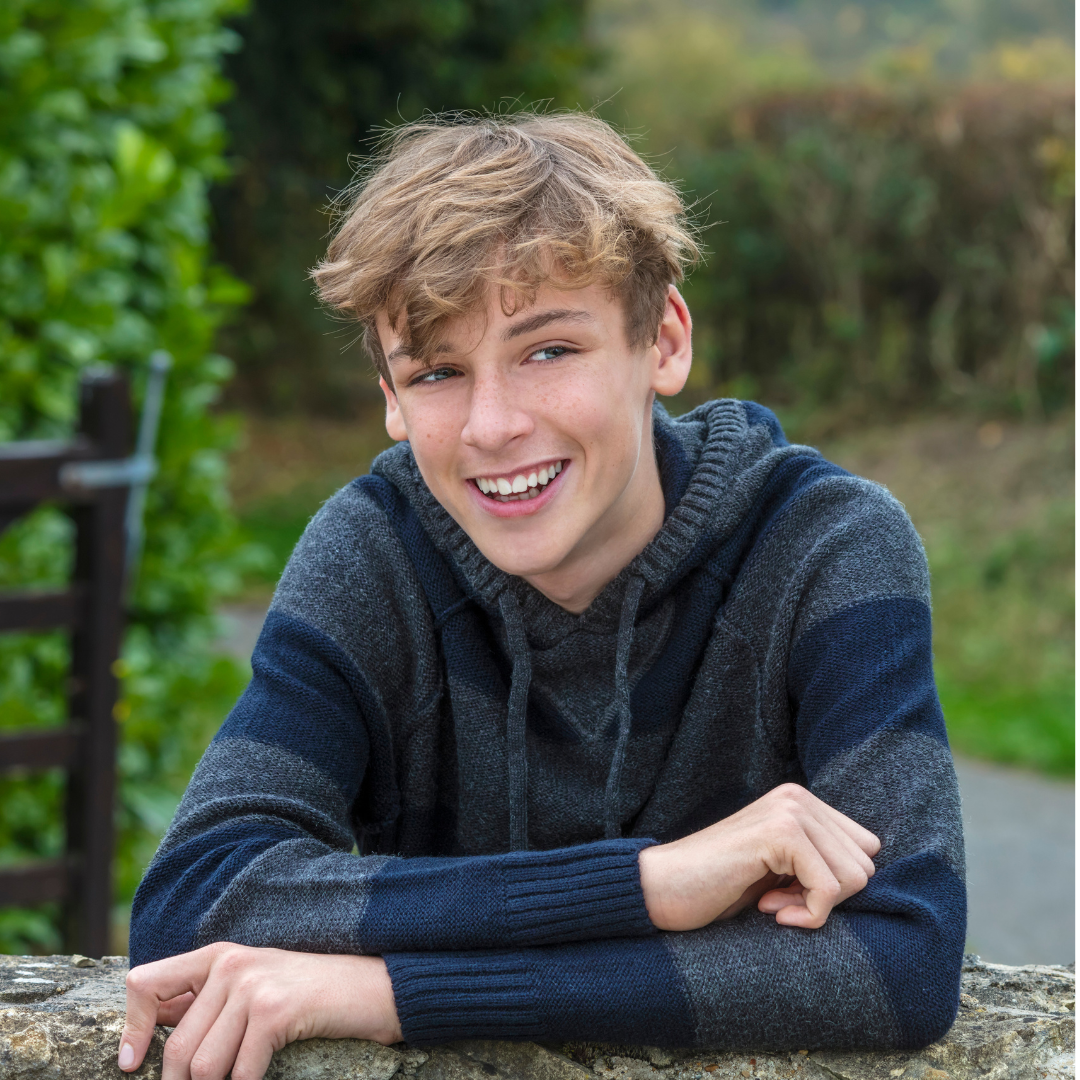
{"x":108,"y":143}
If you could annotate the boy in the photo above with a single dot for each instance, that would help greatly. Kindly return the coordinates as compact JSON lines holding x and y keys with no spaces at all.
{"x":647,"y":704}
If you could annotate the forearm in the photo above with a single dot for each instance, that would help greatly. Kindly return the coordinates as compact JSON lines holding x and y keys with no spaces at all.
{"x":262,"y":880}
{"x":743,"y":982}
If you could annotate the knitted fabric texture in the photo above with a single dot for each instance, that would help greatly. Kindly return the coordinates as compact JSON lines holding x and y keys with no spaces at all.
{"x":499,"y":762}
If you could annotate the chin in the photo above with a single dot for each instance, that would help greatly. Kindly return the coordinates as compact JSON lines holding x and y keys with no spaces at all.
{"x":523,"y":566}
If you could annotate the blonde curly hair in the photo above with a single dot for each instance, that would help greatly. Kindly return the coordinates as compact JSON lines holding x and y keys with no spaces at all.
{"x":453,"y":204}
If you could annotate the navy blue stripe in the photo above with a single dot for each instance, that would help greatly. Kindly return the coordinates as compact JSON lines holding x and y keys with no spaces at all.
{"x":865,"y":666}
{"x":758,"y":414}
{"x":912,"y":920}
{"x":444,"y":593}
{"x":303,"y":697}
{"x":523,"y":898}
{"x":676,"y":468}
{"x":598,"y":991}
{"x":181,"y":886}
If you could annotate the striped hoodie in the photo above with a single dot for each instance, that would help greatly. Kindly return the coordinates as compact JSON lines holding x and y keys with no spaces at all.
{"x":436,"y":764}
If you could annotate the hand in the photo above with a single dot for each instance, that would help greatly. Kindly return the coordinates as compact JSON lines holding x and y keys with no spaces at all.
{"x":789,"y":852}
{"x":233,"y":1006}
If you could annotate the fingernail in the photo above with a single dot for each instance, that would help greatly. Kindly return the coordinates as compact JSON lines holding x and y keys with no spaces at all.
{"x":127,"y":1056}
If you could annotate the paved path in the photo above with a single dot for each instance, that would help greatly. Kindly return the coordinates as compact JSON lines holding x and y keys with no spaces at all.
{"x":1020,"y":832}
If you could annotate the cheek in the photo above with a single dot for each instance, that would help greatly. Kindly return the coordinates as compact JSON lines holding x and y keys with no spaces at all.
{"x":608,"y":421}
{"x":434,"y":437}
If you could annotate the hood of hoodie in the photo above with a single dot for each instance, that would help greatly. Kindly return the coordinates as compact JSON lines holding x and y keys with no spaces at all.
{"x":578,"y":671}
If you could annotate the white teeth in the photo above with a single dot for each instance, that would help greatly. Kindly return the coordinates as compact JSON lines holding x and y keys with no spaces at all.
{"x":522,"y":486}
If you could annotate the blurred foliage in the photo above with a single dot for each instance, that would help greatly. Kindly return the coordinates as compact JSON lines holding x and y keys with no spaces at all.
{"x":880,"y":237}
{"x":108,"y":141}
{"x":874,"y":252}
{"x":312,"y":82}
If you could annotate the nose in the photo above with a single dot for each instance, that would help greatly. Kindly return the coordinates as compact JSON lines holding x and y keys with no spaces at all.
{"x":496,"y":416}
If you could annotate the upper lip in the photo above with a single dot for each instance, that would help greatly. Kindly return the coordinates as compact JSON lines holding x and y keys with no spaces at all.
{"x":517,"y":470}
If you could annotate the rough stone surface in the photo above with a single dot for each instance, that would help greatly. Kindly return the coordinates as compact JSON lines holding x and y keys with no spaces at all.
{"x":61,"y":1017}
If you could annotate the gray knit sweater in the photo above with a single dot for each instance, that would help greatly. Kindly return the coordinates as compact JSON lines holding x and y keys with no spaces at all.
{"x":500,"y":762}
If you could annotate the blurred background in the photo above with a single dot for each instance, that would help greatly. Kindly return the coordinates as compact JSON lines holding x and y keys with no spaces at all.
{"x":886,"y":195}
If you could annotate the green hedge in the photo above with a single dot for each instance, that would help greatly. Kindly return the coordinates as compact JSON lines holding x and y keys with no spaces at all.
{"x":108,"y":141}
{"x":875,"y":250}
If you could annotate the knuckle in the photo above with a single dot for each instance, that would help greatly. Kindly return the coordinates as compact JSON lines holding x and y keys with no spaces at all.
{"x":230,"y":959}
{"x":202,"y":1067}
{"x":263,"y":1010}
{"x":832,"y":894}
{"x":176,"y":1049}
{"x":855,"y":881}
{"x":793,"y":792}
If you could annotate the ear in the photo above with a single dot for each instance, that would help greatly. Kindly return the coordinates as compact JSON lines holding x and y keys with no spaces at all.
{"x":672,"y":352}
{"x":395,"y":422}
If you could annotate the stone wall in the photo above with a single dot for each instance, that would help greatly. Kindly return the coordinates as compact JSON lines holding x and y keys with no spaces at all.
{"x":61,"y":1017}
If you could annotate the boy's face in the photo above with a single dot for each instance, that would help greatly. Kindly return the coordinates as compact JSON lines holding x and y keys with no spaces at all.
{"x":549,"y":409}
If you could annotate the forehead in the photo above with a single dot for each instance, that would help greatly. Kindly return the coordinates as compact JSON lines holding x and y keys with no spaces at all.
{"x":505,"y":317}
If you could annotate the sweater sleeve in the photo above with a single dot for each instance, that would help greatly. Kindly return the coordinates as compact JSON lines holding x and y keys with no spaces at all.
{"x":884,"y":970}
{"x":261,"y":850}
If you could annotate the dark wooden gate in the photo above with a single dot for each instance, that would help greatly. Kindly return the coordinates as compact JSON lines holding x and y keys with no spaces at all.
{"x":87,"y":476}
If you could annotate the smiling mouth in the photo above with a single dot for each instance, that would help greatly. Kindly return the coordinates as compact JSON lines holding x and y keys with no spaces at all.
{"x":521,"y":487}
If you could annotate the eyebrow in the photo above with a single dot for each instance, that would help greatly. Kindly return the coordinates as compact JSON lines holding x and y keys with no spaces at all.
{"x":403,"y":352}
{"x":542,"y":318}
{"x":526,"y":326}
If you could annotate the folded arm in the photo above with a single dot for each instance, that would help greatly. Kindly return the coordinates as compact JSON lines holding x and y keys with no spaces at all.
{"x":260,"y":850}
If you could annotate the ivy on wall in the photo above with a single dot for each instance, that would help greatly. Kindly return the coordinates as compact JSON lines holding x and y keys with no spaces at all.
{"x":109,"y":139}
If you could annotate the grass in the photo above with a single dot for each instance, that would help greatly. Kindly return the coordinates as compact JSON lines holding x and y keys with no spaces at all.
{"x":992,"y":501}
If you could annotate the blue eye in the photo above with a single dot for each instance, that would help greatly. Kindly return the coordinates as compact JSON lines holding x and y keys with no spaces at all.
{"x":436,"y":375}
{"x":549,"y":352}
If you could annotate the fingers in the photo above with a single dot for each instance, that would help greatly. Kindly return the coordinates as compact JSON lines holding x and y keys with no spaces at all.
{"x":829,"y":854}
{"x":148,"y":986}
{"x":171,"y":1012}
{"x":253,"y":1058}
{"x":215,"y":1052}
{"x":850,"y":865}
{"x":184,"y":1046}
{"x":864,"y":838}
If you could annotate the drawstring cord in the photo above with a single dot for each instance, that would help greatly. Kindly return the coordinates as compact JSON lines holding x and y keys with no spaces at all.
{"x":634,"y":589}
{"x":520,"y":677}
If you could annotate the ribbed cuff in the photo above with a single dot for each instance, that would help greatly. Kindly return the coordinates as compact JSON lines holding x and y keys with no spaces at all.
{"x":441,"y":997}
{"x":576,"y":894}
{"x":524,"y":898}
{"x":619,"y":990}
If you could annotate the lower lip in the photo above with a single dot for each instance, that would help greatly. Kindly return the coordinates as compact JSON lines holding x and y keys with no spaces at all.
{"x":516,"y":508}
